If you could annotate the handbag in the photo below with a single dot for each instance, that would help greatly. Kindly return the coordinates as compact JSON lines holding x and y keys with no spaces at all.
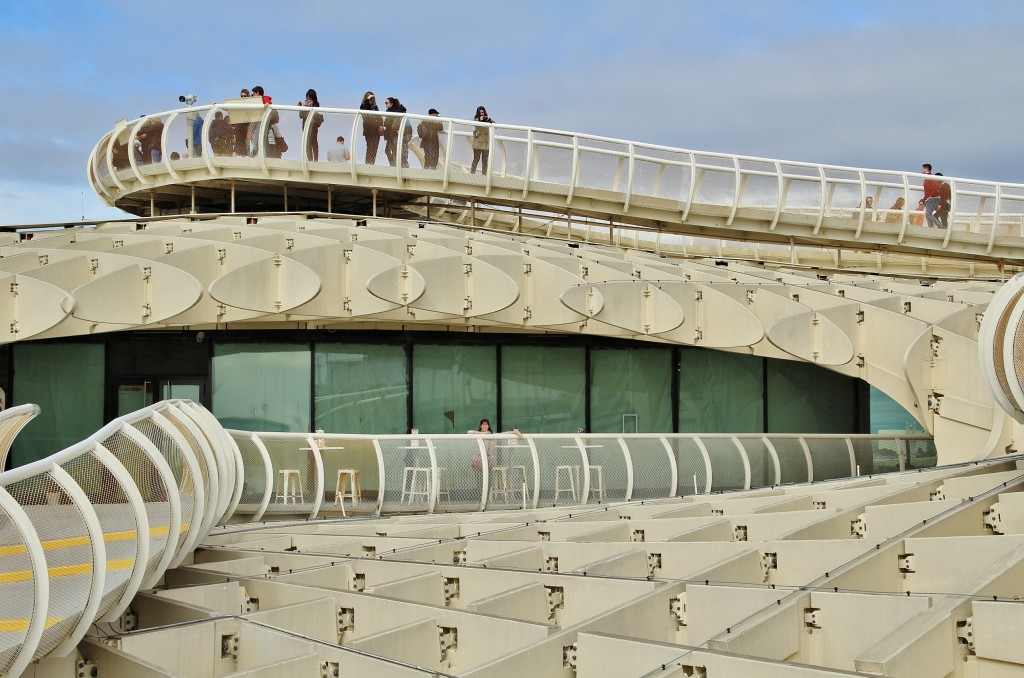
{"x":282,"y":145}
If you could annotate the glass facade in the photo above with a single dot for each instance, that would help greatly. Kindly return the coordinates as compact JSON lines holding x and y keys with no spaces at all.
{"x":387,"y":382}
{"x":721,"y":392}
{"x":455,"y":387}
{"x":361,"y":388}
{"x":66,"y":380}
{"x":630,"y":390}
{"x":543,"y":388}
{"x":262,"y":387}
{"x":804,"y":398}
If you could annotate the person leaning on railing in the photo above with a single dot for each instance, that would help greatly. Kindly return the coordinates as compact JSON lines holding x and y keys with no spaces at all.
{"x":895,"y":214}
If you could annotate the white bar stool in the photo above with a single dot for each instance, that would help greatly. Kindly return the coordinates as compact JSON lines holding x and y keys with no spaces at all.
{"x":499,"y":483}
{"x":290,"y":486}
{"x":566,"y":481}
{"x":349,"y":477}
{"x":415,"y":484}
{"x":596,"y":481}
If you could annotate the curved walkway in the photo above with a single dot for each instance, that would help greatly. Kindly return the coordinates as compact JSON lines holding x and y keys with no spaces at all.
{"x":650,"y":187}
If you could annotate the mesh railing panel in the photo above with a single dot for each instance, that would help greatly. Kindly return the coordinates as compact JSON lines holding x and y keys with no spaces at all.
{"x":150,"y":484}
{"x":61,"y":528}
{"x":408,"y":483}
{"x":726,"y":464}
{"x":294,"y":473}
{"x":254,"y":485}
{"x":561,"y":480}
{"x":792,"y":460}
{"x":693,"y":474}
{"x":116,"y":518}
{"x":652,"y":472}
{"x":605,"y":458}
{"x":830,"y":457}
{"x":350,"y":475}
{"x":17,"y":591}
{"x":762,"y":467}
{"x":208,"y":474}
{"x":182,"y":475}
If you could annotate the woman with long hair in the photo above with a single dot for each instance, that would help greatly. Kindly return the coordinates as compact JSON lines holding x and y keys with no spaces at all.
{"x":481,"y":141}
{"x":313,"y":150}
{"x":373,"y":127}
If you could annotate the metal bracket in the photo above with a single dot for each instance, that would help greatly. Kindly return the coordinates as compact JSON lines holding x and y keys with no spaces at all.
{"x":739,"y":533}
{"x":906,"y":563}
{"x":653,"y":563}
{"x":769,"y":561}
{"x":448,"y":637}
{"x":638,"y":535}
{"x":677,"y":609}
{"x":551,"y":564}
{"x":859,"y":527}
{"x":346,"y":621}
{"x":812,"y":618}
{"x":965,"y":633}
{"x":451,"y":590}
{"x":993,"y":519}
{"x":569,"y":656}
{"x":556,"y":600}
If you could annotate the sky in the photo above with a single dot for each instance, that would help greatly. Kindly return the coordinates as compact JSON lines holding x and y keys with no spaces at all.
{"x":885,"y":84}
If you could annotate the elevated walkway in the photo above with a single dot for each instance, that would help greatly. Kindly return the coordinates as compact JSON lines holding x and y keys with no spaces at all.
{"x":656,"y":191}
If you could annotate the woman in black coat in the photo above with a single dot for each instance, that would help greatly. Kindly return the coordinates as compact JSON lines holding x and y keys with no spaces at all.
{"x":373,"y":127}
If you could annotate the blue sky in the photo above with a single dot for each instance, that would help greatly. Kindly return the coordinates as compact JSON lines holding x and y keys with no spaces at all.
{"x":861,"y":83}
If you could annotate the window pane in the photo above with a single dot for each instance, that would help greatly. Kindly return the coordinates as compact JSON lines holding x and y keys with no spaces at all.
{"x":888,"y":416}
{"x":805,"y":398}
{"x":631,"y":381}
{"x":720,"y":392}
{"x":542,"y":388}
{"x":261,"y":387}
{"x":454,"y":387}
{"x":361,"y":388}
{"x":66,"y":381}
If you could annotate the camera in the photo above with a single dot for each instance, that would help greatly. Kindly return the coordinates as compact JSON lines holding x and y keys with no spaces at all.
{"x":188,"y":99}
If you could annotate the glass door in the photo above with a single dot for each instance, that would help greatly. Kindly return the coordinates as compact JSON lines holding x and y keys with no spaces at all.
{"x":134,"y":394}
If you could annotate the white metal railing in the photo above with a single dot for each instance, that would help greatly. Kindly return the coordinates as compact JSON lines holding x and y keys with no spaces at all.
{"x":335,"y":474}
{"x":561,"y":166}
{"x":82,"y":531}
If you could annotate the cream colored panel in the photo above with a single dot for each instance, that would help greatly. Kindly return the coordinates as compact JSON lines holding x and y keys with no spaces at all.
{"x":539,"y":304}
{"x":401,"y":285}
{"x":331,"y":265}
{"x":586,"y":300}
{"x":29,"y":307}
{"x":712,"y":319}
{"x":452,"y":284}
{"x":207,"y":263}
{"x":271,"y":286}
{"x":812,"y":337}
{"x":364,"y":265}
{"x":137,"y":295}
{"x":637,"y":306}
